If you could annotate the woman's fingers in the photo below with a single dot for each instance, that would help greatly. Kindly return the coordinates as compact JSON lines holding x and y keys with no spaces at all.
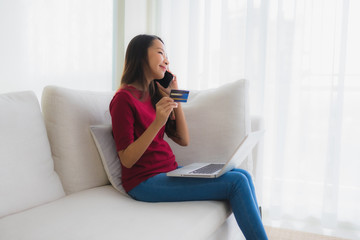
{"x":165,"y":92}
{"x":174,"y":83}
{"x":167,"y":101}
{"x":168,"y":107}
{"x":163,"y":109}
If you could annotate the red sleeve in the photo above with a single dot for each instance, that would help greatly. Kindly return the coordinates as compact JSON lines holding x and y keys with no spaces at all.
{"x":122,"y":117}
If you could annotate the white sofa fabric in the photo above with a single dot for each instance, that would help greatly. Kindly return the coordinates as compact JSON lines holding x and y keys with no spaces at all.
{"x":68,"y":114}
{"x":27,"y":176}
{"x":104,"y":213}
{"x":93,"y":209}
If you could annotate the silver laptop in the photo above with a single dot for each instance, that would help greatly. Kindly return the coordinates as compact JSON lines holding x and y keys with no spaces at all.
{"x":214,"y":170}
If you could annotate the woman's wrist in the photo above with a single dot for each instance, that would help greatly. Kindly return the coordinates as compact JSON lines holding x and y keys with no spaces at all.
{"x":155,"y":126}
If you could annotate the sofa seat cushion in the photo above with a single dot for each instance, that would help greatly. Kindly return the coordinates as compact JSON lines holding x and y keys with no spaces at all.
{"x":104,"y":213}
{"x":27,"y":176}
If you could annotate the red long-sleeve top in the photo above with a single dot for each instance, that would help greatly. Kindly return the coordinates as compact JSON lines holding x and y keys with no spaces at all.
{"x":131,"y":116}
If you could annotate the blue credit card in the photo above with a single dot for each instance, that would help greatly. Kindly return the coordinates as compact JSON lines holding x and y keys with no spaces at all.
{"x":179,"y":95}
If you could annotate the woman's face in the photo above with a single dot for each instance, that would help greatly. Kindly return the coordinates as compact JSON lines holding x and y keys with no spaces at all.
{"x":157,"y":59}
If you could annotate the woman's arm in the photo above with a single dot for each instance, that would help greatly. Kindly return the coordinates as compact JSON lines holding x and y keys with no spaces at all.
{"x":182,"y":133}
{"x":130,"y":155}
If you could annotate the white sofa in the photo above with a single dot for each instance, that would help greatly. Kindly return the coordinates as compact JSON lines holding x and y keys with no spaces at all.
{"x":53,"y":184}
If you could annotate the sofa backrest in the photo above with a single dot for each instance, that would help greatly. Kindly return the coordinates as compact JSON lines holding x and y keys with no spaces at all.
{"x":218,"y":119}
{"x":68,"y":115}
{"x":27,"y":176}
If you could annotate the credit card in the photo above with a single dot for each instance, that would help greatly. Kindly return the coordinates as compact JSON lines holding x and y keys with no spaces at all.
{"x":179,"y":95}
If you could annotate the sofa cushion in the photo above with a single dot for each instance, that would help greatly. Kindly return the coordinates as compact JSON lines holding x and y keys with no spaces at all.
{"x":68,"y":115}
{"x":106,"y":146}
{"x":218,"y":119}
{"x":27,"y":176}
{"x":103,"y":213}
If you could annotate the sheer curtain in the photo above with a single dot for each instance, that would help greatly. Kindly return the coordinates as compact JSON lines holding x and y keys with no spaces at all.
{"x":55,"y":42}
{"x":301,"y":58}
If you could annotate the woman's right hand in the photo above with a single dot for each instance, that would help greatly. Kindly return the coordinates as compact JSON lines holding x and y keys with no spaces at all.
{"x":163,"y":110}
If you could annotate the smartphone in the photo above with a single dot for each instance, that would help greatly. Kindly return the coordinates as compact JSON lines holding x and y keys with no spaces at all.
{"x":166,"y":80}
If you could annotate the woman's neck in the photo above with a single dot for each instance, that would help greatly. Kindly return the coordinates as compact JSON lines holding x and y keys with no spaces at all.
{"x":138,"y":87}
{"x":135,"y":85}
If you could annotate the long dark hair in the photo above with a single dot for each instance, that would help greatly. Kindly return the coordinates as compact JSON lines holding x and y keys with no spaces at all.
{"x":136,"y":60}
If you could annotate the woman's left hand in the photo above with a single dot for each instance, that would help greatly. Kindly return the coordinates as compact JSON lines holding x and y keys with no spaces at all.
{"x":165,"y":92}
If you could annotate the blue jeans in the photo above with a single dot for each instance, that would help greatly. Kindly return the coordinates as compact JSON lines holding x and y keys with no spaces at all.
{"x":235,"y":186}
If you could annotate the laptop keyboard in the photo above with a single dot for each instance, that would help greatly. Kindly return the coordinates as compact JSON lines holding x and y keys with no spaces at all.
{"x":208,"y":169}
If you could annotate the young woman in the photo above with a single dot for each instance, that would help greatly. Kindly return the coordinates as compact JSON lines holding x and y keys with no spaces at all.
{"x":142,"y":112}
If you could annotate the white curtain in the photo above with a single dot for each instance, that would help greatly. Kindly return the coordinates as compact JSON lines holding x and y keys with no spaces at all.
{"x":302,"y":60}
{"x":55,"y":42}
{"x":301,"y":57}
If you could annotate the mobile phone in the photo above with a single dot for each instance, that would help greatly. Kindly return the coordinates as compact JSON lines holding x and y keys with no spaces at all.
{"x":166,"y":80}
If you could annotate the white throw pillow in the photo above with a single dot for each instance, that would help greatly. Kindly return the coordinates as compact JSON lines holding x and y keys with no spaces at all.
{"x":218,"y":119}
{"x":68,"y":114}
{"x":27,"y":176}
{"x":106,"y":146}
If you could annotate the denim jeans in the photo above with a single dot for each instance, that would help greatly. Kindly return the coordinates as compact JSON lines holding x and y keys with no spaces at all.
{"x":235,"y":186}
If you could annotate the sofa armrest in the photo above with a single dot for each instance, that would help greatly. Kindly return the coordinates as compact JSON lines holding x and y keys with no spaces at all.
{"x":257,"y":123}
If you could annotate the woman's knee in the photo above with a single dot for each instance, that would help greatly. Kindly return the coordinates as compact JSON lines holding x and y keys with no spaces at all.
{"x":238,"y":181}
{"x":246,"y":173}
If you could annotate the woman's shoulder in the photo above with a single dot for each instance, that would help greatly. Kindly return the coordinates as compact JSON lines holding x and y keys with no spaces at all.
{"x":121,"y":96}
{"x":122,"y":93}
{"x":127,"y":94}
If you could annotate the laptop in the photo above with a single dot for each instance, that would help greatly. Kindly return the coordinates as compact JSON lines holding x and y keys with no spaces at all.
{"x":214,"y":170}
